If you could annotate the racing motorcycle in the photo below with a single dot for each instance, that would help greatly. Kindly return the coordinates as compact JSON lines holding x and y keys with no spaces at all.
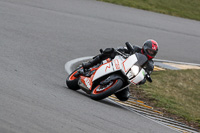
{"x":110,"y":76}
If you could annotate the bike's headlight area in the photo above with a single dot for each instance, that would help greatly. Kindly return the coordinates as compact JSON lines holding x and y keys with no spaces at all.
{"x":133,"y":72}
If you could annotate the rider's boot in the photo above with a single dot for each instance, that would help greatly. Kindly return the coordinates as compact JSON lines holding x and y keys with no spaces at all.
{"x":87,"y":65}
{"x":107,"y":53}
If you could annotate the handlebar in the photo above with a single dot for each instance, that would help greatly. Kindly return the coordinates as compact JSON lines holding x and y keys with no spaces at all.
{"x":148,"y":78}
{"x":129,"y":47}
{"x":125,"y":56}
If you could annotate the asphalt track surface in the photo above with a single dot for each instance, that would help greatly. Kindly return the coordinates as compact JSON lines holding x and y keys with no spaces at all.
{"x":37,"y":38}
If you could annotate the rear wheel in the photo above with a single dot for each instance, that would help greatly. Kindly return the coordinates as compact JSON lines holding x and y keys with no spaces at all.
{"x":103,"y":91}
{"x":72,"y":82}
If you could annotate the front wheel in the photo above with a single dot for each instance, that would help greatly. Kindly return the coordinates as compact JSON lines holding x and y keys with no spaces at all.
{"x":72,"y":82}
{"x":101,"y":92}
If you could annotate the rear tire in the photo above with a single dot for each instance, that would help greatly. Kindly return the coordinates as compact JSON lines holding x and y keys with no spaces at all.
{"x":100,"y":92}
{"x":72,"y":82}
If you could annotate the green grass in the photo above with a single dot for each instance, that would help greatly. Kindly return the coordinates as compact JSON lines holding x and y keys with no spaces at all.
{"x":181,"y":8}
{"x":176,"y":92}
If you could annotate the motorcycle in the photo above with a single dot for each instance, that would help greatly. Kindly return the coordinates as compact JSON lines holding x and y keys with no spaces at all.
{"x":110,"y":76}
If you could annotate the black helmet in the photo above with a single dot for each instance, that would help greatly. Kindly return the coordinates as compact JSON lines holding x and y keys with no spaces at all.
{"x":150,"y":48}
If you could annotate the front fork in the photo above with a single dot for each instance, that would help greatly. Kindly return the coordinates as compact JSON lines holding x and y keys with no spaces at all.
{"x":123,"y":87}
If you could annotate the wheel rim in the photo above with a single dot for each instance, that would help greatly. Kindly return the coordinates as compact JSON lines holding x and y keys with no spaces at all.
{"x":101,"y":88}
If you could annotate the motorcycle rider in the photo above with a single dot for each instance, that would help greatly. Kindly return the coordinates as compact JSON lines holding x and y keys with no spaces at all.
{"x":149,"y":48}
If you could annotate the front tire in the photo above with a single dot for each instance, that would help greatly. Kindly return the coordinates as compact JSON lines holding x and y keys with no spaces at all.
{"x":101,"y":92}
{"x":72,"y":82}
{"x":123,"y":95}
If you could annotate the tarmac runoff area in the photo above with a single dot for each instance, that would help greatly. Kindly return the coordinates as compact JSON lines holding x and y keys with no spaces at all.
{"x":140,"y":107}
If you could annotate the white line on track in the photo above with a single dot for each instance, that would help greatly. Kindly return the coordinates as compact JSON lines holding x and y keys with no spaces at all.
{"x":69,"y":65}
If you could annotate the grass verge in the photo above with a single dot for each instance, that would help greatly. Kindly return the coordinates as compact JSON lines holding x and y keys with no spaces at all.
{"x":181,"y":8}
{"x":174,"y":92}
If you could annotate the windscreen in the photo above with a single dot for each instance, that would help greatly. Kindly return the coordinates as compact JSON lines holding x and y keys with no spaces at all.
{"x":142,"y":59}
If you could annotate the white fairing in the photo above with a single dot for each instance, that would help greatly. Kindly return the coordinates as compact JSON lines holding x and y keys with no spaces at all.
{"x":120,"y":64}
{"x":129,"y":62}
{"x":117,"y":63}
{"x":110,"y":67}
{"x":103,"y":70}
{"x":139,"y":77}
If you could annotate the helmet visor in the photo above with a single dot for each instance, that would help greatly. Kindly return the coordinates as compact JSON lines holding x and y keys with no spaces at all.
{"x":151,"y":52}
